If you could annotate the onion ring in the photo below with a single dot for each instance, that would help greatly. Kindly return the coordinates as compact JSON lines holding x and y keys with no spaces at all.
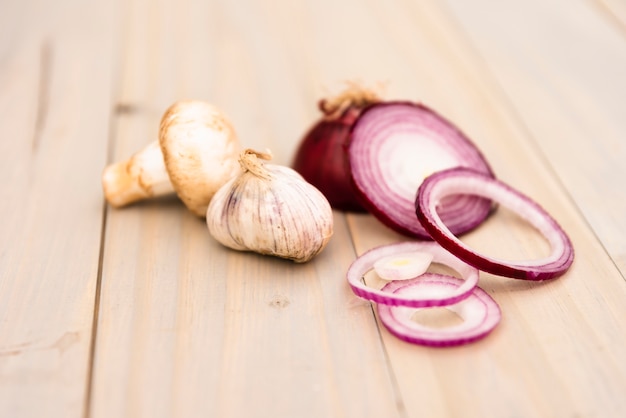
{"x":479,"y":311}
{"x":466,"y":181}
{"x":366,"y":261}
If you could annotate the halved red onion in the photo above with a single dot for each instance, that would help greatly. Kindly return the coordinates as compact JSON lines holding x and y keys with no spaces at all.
{"x":480,"y":313}
{"x":321,"y":160}
{"x":393,"y":147}
{"x":321,"y":155}
{"x":444,"y":184}
{"x":365,"y":263}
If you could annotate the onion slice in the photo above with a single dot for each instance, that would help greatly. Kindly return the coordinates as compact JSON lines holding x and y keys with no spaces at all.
{"x":366,"y":262}
{"x":392,"y":147}
{"x":479,"y":311}
{"x":465,"y":181}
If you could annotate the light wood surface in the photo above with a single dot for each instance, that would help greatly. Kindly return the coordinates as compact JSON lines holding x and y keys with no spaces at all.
{"x":138,"y":312}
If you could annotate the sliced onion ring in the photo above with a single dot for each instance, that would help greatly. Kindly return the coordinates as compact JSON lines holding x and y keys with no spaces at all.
{"x":366,"y":261}
{"x":392,"y":147}
{"x":479,"y":311}
{"x":465,"y":181}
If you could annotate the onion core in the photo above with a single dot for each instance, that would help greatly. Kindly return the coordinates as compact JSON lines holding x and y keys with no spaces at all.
{"x":403,"y":266}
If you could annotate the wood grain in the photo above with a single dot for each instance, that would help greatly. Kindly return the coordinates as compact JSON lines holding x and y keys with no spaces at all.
{"x":138,"y":312}
{"x":54,"y":135}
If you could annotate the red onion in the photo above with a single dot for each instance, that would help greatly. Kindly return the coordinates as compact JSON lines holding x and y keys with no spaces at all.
{"x":464,"y":181}
{"x":321,"y":155}
{"x":366,"y":262}
{"x":393,"y":147}
{"x":479,"y":311}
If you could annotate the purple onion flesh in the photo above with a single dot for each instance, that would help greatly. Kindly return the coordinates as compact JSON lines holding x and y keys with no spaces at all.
{"x":393,"y":147}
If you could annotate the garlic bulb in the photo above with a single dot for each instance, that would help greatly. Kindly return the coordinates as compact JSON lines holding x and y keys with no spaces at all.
{"x":270,"y":209}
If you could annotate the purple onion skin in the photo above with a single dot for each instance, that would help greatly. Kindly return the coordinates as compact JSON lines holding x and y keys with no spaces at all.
{"x":321,"y":159}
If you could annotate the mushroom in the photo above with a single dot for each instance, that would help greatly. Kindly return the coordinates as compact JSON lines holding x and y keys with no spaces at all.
{"x":196,"y":153}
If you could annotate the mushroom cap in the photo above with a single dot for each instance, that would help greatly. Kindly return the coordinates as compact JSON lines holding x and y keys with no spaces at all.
{"x":200,"y":150}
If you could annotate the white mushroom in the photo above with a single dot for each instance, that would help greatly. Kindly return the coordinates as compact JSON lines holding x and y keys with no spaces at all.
{"x":197,"y":152}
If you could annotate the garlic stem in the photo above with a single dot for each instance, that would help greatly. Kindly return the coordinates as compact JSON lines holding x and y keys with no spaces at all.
{"x":249,"y":160}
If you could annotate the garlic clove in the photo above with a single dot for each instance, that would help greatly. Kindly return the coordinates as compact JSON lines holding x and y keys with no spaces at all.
{"x":140,"y":177}
{"x":270,"y":209}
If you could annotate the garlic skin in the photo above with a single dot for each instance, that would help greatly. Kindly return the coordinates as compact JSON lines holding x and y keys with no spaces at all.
{"x":270,"y":209}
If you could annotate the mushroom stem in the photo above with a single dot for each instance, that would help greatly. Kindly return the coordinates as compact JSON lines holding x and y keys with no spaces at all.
{"x":140,"y":177}
{"x":196,"y":153}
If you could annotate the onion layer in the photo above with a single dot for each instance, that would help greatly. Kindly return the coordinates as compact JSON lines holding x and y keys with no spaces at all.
{"x":479,"y":311}
{"x":366,"y":262}
{"x":393,"y":147}
{"x":457,"y":181}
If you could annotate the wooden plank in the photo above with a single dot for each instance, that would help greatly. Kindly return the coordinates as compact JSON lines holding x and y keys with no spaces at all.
{"x":572,"y":63}
{"x":186,"y":327}
{"x":54,"y":101}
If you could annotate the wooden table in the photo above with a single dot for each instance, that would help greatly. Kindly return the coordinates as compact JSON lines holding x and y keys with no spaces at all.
{"x":138,"y":312}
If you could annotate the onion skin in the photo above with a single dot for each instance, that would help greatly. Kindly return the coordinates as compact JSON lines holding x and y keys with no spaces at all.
{"x":321,"y":160}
